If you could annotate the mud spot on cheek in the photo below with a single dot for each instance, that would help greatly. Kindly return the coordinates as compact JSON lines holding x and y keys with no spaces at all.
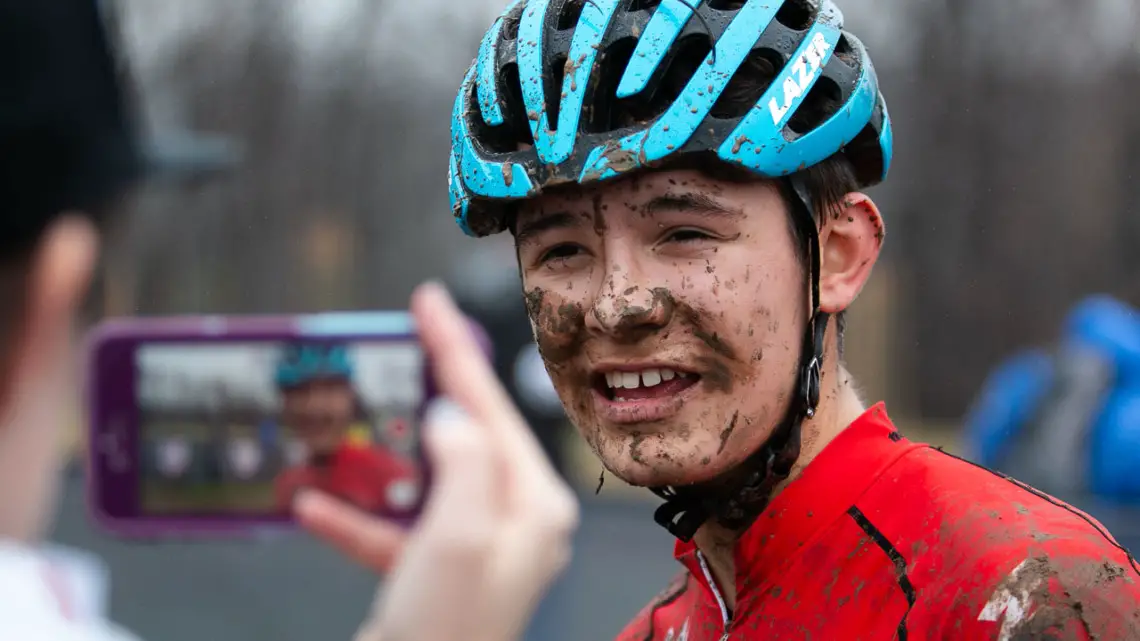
{"x":559,"y":331}
{"x":534,"y":299}
{"x":727,"y":432}
{"x":715,"y":375}
{"x":695,"y":320}
{"x":715,"y":343}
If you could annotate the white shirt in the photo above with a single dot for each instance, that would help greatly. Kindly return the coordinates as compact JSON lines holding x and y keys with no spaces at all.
{"x":54,"y":594}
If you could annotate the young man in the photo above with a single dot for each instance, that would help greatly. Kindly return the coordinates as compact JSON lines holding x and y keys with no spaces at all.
{"x":320,"y":405}
{"x":683,"y":184}
{"x":66,"y":152}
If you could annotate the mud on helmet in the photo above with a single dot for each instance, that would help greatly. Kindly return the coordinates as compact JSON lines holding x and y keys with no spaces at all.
{"x":573,"y":91}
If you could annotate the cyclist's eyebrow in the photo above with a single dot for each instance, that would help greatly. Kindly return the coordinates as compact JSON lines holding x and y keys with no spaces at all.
{"x":531,"y":227}
{"x":696,"y":203}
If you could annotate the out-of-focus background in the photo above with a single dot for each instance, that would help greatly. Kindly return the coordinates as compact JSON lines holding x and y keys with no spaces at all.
{"x":1013,"y":195}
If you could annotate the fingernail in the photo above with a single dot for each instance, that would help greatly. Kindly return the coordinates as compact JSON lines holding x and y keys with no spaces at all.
{"x":443,"y":413}
{"x":436,"y":288}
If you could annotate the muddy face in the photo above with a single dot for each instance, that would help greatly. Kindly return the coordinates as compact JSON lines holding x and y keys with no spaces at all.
{"x":668,"y":309}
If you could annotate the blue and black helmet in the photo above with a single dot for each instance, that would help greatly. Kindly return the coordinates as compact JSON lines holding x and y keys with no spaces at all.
{"x":573,"y":91}
{"x":302,"y":363}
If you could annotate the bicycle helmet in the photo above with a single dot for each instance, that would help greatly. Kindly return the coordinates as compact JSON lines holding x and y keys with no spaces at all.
{"x":575,"y":91}
{"x":303,"y":363}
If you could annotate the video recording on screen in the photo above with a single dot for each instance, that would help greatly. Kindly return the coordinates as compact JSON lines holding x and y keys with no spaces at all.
{"x":240,"y":428}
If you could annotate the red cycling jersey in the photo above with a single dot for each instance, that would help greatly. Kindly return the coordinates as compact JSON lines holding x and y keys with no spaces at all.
{"x":359,"y":474}
{"x":882,"y":538}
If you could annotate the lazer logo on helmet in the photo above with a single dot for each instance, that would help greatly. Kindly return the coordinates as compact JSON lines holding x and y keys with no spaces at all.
{"x":804,"y":71}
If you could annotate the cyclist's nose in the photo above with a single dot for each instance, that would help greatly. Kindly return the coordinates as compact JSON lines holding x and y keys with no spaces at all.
{"x":629,"y":309}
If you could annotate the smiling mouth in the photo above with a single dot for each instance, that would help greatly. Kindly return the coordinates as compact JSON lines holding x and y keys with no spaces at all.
{"x":642,"y":385}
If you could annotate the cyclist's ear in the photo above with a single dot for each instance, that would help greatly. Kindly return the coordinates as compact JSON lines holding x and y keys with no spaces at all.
{"x":849,"y":243}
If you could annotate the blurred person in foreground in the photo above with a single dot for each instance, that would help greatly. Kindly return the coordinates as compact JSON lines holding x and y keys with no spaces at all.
{"x":683,"y":184}
{"x":66,"y":153}
{"x":320,"y":405}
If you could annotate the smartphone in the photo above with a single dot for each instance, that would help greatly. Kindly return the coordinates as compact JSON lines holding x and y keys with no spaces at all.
{"x":211,"y":425}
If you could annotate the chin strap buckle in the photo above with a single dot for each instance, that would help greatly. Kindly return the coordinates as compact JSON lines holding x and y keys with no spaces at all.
{"x":681,"y":515}
{"x":809,"y":386}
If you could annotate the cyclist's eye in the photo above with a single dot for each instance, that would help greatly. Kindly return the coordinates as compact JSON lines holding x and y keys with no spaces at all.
{"x":560,"y":253}
{"x":686,"y":236}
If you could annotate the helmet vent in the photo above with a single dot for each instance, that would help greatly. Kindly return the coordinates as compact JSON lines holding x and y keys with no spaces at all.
{"x":748,"y":83}
{"x":515,"y":131}
{"x":642,"y":5}
{"x":845,"y":52}
{"x":516,"y":120}
{"x":552,"y":85}
{"x":569,"y":13}
{"x":796,"y":14}
{"x":821,"y":103}
{"x":511,"y":23}
{"x":688,"y":55}
{"x":607,"y":113}
{"x":725,"y":5}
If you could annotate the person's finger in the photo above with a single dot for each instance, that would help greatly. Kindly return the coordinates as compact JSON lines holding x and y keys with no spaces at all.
{"x":366,"y":539}
{"x":462,"y":370}
{"x":464,"y":373}
{"x":462,"y":505}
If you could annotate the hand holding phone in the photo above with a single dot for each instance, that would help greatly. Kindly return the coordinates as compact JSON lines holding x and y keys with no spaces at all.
{"x":211,"y":426}
{"x":496,"y":528}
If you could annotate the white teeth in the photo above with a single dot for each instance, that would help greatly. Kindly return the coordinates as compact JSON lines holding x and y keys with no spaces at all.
{"x":644,"y":378}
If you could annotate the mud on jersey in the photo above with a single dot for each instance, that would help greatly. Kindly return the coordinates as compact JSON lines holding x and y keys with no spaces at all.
{"x":881,"y":538}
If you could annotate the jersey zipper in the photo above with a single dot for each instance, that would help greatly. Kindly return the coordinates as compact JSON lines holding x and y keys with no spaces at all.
{"x":724,"y":616}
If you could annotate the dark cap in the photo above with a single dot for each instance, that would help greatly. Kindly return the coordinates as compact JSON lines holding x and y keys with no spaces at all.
{"x":67,"y":140}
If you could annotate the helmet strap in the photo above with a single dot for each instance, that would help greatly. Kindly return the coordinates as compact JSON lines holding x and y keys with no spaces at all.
{"x":747,"y":491}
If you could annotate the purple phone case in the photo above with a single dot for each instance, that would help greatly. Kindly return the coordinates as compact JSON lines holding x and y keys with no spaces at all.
{"x":108,"y":403}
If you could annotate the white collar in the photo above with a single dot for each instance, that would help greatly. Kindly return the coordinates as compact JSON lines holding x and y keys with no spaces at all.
{"x":72,"y":582}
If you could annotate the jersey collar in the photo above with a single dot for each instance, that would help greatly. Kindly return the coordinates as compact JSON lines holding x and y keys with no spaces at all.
{"x":826,"y":489}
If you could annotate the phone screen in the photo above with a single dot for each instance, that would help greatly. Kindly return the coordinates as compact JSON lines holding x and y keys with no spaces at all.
{"x":236,"y":428}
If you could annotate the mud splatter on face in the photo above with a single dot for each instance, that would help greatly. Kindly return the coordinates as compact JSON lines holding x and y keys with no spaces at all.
{"x":715,"y":343}
{"x":635,"y":449}
{"x":599,"y":215}
{"x":718,"y":368}
{"x":727,"y":432}
{"x":559,"y":331}
{"x":716,"y":375}
{"x":638,"y":293}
